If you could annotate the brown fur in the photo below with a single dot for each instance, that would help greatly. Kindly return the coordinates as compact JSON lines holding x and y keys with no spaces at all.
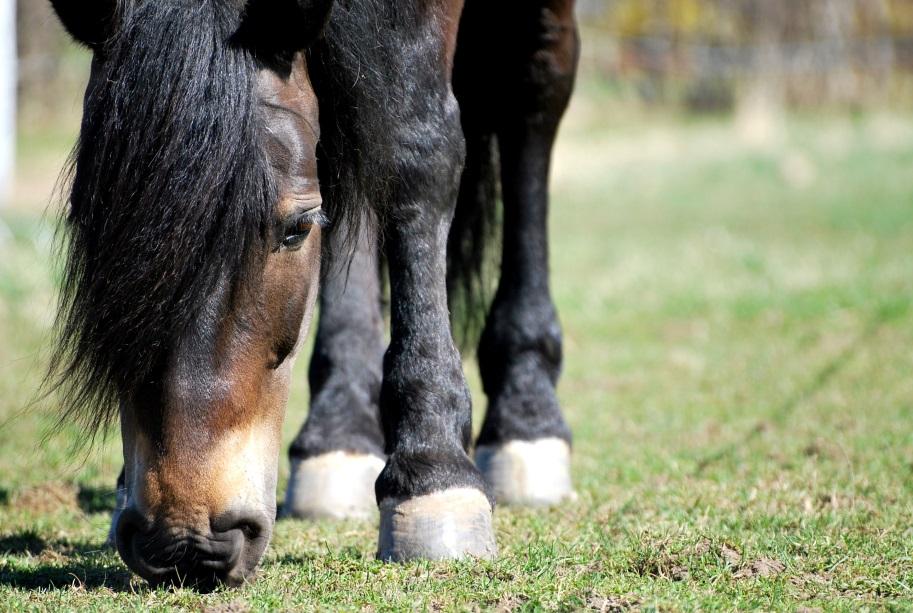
{"x":192,"y":472}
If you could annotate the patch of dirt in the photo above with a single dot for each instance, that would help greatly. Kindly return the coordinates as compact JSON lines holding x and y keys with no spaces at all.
{"x":52,"y":556}
{"x":676,"y":565}
{"x":813,"y":450}
{"x":702,"y":547}
{"x":235,"y":606}
{"x":761,"y":427}
{"x":510,"y":603}
{"x":762,"y":567}
{"x":679,"y":573}
{"x":46,"y":498}
{"x":729,"y":555}
{"x":811,"y":583}
{"x":611,"y":604}
{"x":660,"y":564}
{"x":724,"y":551}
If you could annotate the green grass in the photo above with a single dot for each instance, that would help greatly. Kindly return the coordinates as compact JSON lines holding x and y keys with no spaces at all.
{"x":739,"y":378}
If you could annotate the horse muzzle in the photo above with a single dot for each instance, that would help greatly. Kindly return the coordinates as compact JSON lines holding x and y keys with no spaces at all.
{"x":165,"y":553}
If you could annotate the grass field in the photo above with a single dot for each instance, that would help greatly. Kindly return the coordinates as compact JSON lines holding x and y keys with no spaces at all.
{"x":739,"y":379}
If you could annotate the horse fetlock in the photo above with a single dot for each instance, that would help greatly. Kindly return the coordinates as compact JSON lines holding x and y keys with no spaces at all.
{"x":450,"y":524}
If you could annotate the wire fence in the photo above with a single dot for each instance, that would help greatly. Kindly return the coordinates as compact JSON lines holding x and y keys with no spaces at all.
{"x":727,"y":47}
{"x":709,"y":53}
{"x":812,"y":57}
{"x":709,"y":75}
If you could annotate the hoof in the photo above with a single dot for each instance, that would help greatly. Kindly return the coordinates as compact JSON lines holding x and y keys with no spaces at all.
{"x":336,"y":485}
{"x":444,"y":525}
{"x":530,"y":473}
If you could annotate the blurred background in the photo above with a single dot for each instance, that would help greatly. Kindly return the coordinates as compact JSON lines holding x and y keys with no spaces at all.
{"x":731,"y":228}
{"x":705,"y":56}
{"x":750,"y":61}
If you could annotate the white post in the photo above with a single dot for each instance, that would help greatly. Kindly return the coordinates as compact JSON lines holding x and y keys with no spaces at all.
{"x":7,"y":95}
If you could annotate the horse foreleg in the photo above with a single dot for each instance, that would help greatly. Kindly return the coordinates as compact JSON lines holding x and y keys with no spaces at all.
{"x":433,"y":501}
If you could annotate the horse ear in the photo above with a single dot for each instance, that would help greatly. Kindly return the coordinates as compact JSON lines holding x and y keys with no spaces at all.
{"x":281,"y":27}
{"x":90,"y":22}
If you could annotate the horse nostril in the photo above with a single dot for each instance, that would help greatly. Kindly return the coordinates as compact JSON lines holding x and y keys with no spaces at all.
{"x":130,"y":523}
{"x":252,"y":525}
{"x":256,"y":528}
{"x":163,"y":554}
{"x":140,"y":546}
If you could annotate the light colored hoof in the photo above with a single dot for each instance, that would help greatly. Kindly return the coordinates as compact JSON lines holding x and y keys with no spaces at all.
{"x":336,"y":485}
{"x":530,"y":473}
{"x":444,"y":525}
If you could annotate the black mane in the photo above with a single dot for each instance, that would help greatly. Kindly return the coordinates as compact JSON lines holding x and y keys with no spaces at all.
{"x":171,"y":193}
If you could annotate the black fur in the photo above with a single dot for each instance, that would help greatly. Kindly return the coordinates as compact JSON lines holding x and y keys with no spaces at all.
{"x":346,"y":366}
{"x":472,"y":254}
{"x":514,"y":75}
{"x":276,"y":29}
{"x":90,"y":22}
{"x":170,"y":192}
{"x":391,"y":141}
{"x":355,"y":68}
{"x":386,"y":145}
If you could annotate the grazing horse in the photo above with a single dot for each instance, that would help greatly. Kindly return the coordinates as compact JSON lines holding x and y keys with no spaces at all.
{"x":202,"y":189}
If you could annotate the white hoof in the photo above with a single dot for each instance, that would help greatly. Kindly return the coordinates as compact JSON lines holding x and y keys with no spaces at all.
{"x":446,"y":525}
{"x":336,"y":485}
{"x":530,"y":473}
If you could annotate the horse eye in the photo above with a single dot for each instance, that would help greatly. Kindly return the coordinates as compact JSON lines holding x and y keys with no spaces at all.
{"x":296,"y":234}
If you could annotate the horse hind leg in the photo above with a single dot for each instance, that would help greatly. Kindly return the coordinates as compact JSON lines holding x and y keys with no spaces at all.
{"x":523,"y":449}
{"x":337,"y":455}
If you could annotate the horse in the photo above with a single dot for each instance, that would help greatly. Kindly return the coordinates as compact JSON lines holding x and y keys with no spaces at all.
{"x":236,"y":158}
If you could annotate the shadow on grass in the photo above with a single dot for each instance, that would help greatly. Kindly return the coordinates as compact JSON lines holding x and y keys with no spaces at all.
{"x":62,"y":565}
{"x":93,"y":499}
{"x":85,"y":575}
{"x":24,"y":543}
